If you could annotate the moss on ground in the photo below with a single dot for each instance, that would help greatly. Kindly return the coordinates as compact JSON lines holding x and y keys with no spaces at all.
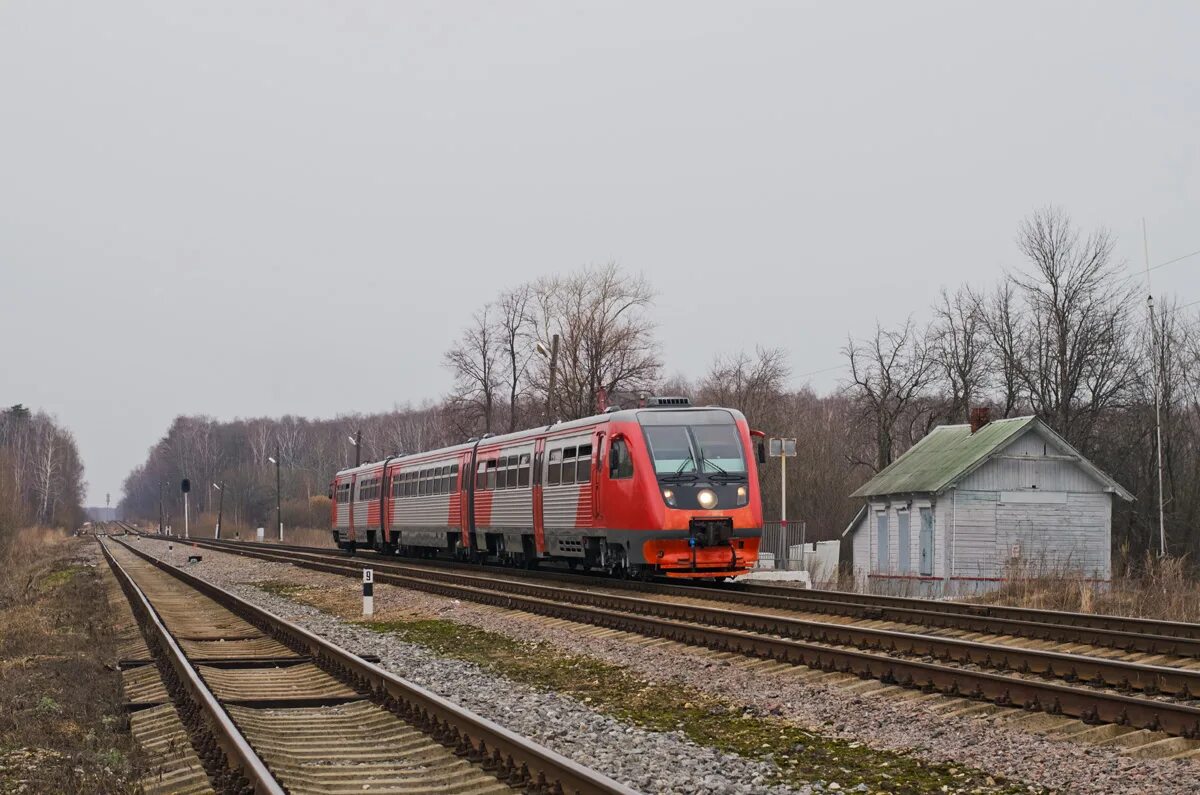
{"x":801,"y":756}
{"x":279,"y":588}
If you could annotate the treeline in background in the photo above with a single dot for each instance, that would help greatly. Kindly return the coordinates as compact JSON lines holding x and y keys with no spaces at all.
{"x":1065,"y":335}
{"x":41,"y":474}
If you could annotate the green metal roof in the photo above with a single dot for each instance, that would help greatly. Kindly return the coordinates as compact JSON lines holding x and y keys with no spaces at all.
{"x":948,"y":452}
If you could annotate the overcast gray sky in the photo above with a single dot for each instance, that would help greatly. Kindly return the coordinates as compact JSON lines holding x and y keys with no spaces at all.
{"x":222,"y":208}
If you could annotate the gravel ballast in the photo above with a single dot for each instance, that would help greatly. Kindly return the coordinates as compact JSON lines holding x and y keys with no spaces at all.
{"x":652,"y":762}
{"x":669,"y":762}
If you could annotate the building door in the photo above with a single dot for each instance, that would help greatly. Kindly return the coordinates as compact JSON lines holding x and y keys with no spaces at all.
{"x":905,"y":542}
{"x":927,"y":542}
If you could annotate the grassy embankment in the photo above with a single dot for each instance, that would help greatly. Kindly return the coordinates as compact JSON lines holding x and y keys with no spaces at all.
{"x":1166,"y":589}
{"x":62,"y":725}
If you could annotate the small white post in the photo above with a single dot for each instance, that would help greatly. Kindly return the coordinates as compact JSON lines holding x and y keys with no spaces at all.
{"x":368,"y":592}
{"x":185,"y":515}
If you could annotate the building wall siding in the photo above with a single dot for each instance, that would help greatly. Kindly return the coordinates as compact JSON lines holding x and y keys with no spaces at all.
{"x":1003,"y":472}
{"x":1071,"y":536}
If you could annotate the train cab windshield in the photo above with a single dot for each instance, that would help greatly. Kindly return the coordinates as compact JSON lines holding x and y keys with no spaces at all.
{"x":687,"y":445}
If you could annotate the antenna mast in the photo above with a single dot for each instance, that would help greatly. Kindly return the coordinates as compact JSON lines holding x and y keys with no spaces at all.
{"x":1155,"y":357}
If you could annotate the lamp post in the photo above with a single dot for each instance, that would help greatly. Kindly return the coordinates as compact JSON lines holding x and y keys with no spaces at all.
{"x":356,"y":440}
{"x":783,"y":449}
{"x":278,"y":491}
{"x":552,"y":356}
{"x":220,"y":507}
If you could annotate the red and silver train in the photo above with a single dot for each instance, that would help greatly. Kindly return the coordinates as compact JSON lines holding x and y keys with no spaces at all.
{"x":667,"y":489}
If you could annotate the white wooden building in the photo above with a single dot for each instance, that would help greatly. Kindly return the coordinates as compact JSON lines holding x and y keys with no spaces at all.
{"x":970,"y":506}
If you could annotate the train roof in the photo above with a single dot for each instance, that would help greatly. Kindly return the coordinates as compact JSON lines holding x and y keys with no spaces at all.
{"x":620,"y":415}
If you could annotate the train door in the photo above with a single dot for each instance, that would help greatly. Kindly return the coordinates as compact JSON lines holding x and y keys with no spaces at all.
{"x":466,"y":480}
{"x":353,"y":501}
{"x":539,"y":520}
{"x":594,"y":469}
{"x":385,"y":507}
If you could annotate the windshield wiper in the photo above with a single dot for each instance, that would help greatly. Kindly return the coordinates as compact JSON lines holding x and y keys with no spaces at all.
{"x":683,"y":463}
{"x":679,"y":477}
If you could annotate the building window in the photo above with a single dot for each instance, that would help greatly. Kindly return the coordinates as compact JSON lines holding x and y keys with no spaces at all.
{"x":881,"y":541}
{"x":927,"y":542}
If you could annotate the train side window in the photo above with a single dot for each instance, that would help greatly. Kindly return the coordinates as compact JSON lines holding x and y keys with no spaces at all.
{"x":620,"y":464}
{"x":554,"y":468}
{"x":514,"y":469}
{"x":444,"y":480}
{"x":501,"y":468}
{"x":421,"y":483}
{"x":583,"y":464}
{"x":523,"y":471}
{"x":435,"y":482}
{"x":491,"y":474}
{"x":568,"y":467}
{"x":454,"y":478}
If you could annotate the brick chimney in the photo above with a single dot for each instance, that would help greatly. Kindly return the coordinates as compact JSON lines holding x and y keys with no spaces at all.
{"x":980,"y":416}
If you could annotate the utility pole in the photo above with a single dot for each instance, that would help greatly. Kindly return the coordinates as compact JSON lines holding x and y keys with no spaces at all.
{"x":1155,"y":361}
{"x":356,"y":440}
{"x":161,"y":523}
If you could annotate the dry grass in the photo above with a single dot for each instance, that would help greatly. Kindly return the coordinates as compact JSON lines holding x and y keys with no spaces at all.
{"x":1152,"y":588}
{"x":62,"y":724}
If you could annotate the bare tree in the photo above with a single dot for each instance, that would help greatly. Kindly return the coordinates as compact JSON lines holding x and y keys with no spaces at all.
{"x":888,"y":376}
{"x":514,"y":339}
{"x":959,"y":348}
{"x":1075,"y":360}
{"x":473,"y":361}
{"x":606,"y":336}
{"x":750,"y":384}
{"x":1004,"y":323}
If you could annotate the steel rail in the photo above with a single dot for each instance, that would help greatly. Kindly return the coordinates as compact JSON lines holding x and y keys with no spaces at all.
{"x":520,"y":761}
{"x":921,"y":612}
{"x":222,"y":745}
{"x":1092,"y":706}
{"x":1122,"y":674}
{"x":1146,"y":626}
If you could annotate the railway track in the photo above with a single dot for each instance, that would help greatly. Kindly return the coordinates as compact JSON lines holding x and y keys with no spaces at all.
{"x":1092,"y":688}
{"x":1127,"y":636}
{"x":270,"y":708}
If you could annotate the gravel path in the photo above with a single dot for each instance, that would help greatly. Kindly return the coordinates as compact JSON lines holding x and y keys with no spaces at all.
{"x":877,"y":720}
{"x":649,"y":761}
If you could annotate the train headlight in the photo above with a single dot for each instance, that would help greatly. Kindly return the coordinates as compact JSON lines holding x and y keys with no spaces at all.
{"x":741,"y":500}
{"x":707,"y":498}
{"x":669,"y":496}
